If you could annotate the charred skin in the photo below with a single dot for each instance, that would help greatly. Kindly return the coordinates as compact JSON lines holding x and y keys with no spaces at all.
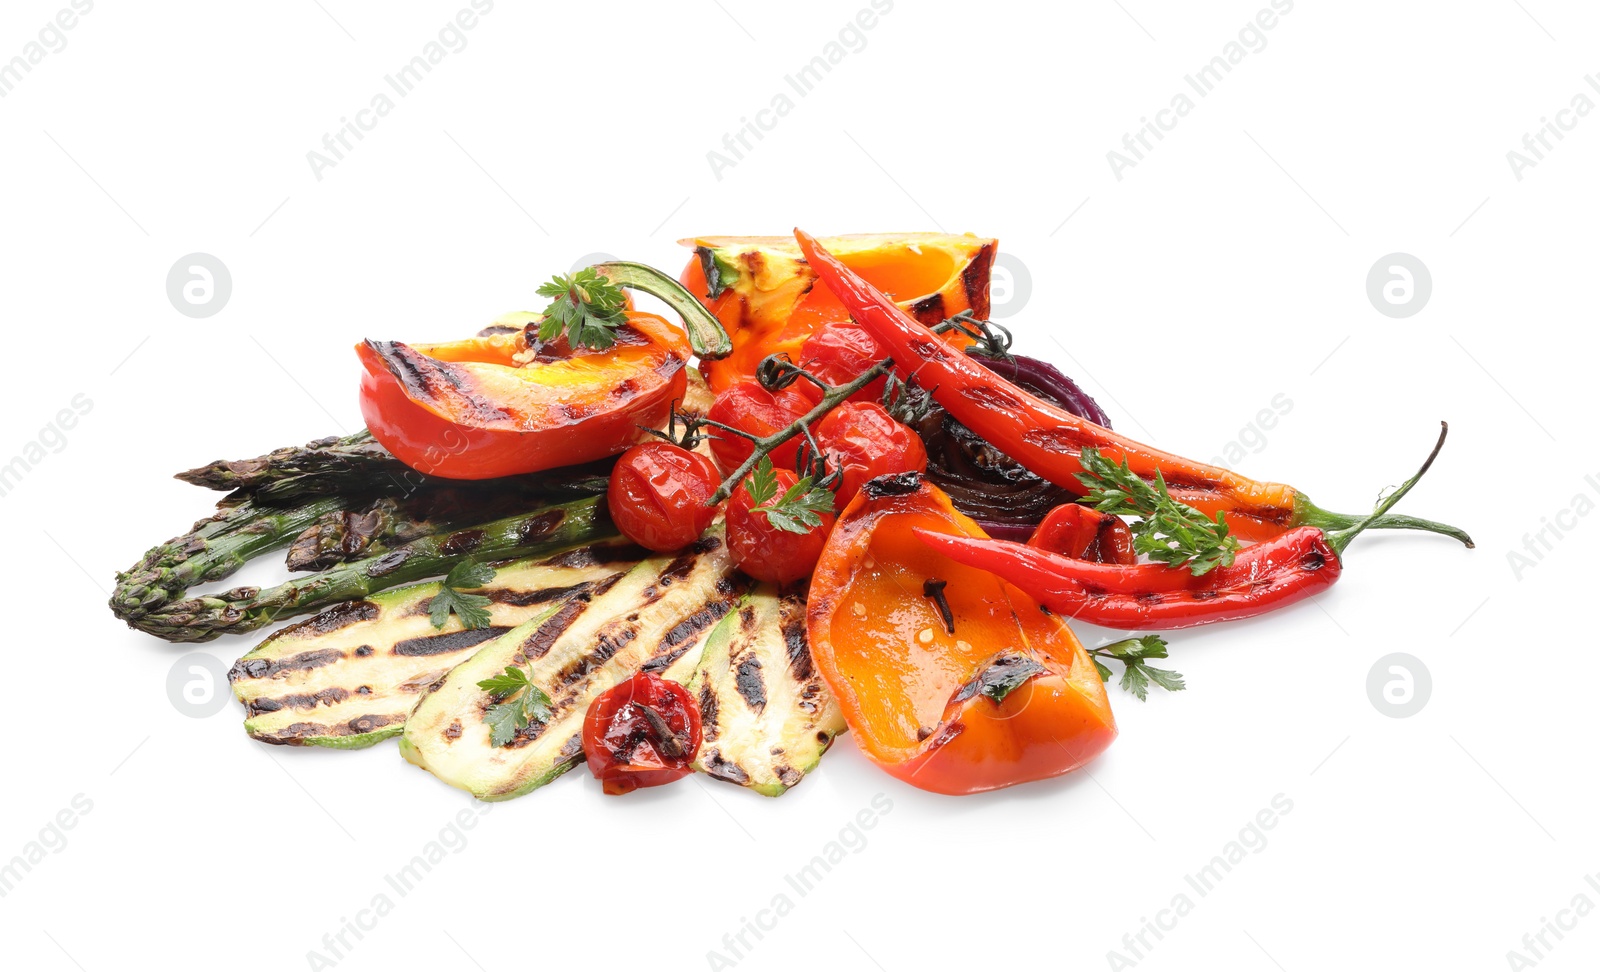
{"x":350,"y":676}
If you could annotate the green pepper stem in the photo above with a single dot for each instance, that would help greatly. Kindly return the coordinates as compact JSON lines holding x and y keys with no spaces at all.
{"x":706,"y":335}
{"x":1345,"y":529}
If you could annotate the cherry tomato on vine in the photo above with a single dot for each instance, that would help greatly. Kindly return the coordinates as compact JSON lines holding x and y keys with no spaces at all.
{"x":863,"y":442}
{"x":839,"y":352}
{"x":748,"y":406}
{"x":642,"y":732}
{"x":658,"y":492}
{"x":777,"y":524}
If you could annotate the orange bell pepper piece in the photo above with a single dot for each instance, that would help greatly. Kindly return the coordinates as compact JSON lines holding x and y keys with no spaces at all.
{"x":949,"y":678}
{"x":484,"y":407}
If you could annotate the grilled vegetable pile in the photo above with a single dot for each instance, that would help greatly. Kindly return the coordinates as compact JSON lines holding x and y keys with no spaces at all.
{"x":593,"y":536}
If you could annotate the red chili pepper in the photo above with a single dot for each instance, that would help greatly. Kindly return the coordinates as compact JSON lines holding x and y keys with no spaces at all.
{"x":1263,"y":577}
{"x":1083,"y":533}
{"x":1047,"y":439}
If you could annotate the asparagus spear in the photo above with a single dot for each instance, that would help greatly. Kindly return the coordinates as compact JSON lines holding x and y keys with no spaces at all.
{"x":245,"y":609}
{"x":212,"y":549}
{"x":323,"y":457}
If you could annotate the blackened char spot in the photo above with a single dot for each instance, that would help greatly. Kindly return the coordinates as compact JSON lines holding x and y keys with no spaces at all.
{"x":798,"y":648}
{"x":929,"y":310}
{"x":267,"y":667}
{"x":598,"y":555}
{"x":540,"y":641}
{"x":749,"y":682}
{"x":388,"y":563}
{"x":1313,"y":561}
{"x":899,"y":484}
{"x":975,"y":281}
{"x":461,"y":542}
{"x":691,"y":626}
{"x":541,"y":596}
{"x":442,"y":644}
{"x":719,"y":768}
{"x":538,"y":527}
{"x":708,"y":712}
{"x":328,"y":696}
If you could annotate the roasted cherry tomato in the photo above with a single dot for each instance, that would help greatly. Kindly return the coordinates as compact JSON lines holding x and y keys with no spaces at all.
{"x":1084,"y":533}
{"x":863,"y":442}
{"x":643,"y":732}
{"x":748,"y":406}
{"x":765,"y":551}
{"x":838,"y":353}
{"x":658,"y":494}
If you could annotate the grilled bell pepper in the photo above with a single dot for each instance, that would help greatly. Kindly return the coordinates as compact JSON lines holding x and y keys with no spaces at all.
{"x":1264,"y":576}
{"x":949,"y":678}
{"x":1047,"y":439}
{"x":1083,"y":533}
{"x":494,"y":406}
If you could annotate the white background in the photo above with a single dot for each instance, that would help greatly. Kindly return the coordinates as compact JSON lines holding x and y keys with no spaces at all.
{"x":1225,"y":269}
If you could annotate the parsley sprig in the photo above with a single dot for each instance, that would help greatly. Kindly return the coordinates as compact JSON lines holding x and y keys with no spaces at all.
{"x":508,"y":715}
{"x":1137,"y":674}
{"x":586,"y":306}
{"x":472,"y":609}
{"x":798,"y":510}
{"x":1168,"y":531}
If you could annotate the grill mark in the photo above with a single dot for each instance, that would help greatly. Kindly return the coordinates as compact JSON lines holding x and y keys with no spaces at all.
{"x":441,"y":644}
{"x":538,"y":644}
{"x":334,"y":618}
{"x":388,"y":563}
{"x":255,"y":668}
{"x":898,"y":484}
{"x":691,"y":626}
{"x":801,"y":667}
{"x":788,"y":775}
{"x":516,"y":598}
{"x":720,"y":769}
{"x":708,"y":712}
{"x":328,"y":696}
{"x":295,"y":733}
{"x":598,"y":555}
{"x":540,"y":526}
{"x":606,"y":647}
{"x":748,"y":681}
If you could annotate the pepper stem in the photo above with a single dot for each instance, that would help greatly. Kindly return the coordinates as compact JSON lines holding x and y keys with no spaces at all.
{"x":1348,"y":528}
{"x":706,"y":335}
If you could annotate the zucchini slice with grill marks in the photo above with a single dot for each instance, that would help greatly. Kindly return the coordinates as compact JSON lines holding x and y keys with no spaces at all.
{"x":653,"y":618}
{"x":348,"y":677}
{"x":766,"y":716}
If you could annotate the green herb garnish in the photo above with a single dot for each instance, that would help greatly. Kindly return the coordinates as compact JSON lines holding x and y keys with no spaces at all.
{"x":472,"y":609}
{"x":798,"y":510}
{"x":507,"y":718}
{"x":586,"y":306}
{"x":1137,"y":675}
{"x":1168,"y":531}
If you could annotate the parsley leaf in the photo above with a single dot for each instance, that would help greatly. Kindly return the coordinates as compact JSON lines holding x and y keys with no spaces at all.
{"x":798,"y":510}
{"x":472,"y":609}
{"x":1169,"y":532}
{"x":507,"y":718}
{"x":586,"y":306}
{"x":1137,"y":674}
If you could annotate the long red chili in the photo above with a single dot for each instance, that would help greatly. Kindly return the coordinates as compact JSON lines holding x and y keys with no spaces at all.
{"x":1263,"y":577}
{"x":1048,"y":439}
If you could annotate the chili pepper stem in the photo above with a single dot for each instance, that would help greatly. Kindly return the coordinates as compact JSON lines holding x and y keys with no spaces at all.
{"x":831,"y":398}
{"x":1379,"y":518}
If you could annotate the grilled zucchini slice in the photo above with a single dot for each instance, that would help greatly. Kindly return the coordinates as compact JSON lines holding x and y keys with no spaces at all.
{"x":766,"y":716}
{"x":348,"y":677}
{"x":652,"y":619}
